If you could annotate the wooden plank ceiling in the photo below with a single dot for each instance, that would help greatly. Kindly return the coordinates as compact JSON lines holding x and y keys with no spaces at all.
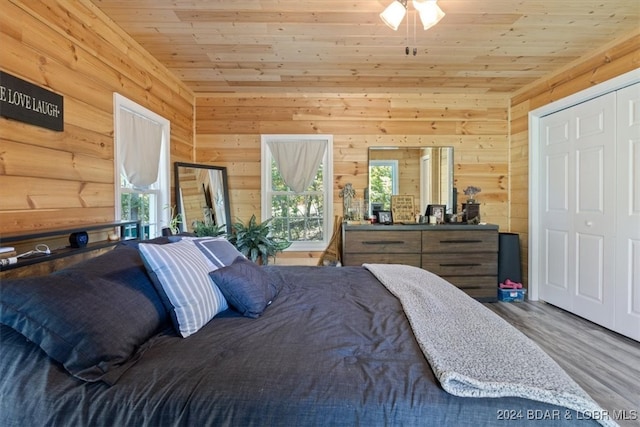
{"x":480,"y":46}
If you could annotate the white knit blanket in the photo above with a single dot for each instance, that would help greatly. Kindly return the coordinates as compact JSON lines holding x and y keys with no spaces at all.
{"x":474,"y":352}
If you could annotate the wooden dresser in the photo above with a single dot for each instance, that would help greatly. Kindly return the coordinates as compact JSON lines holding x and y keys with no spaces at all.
{"x":465,"y":255}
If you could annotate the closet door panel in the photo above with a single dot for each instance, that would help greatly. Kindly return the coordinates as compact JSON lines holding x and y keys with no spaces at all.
{"x":557,"y":184}
{"x":557,"y":261}
{"x":590,"y":180}
{"x":627,"y":303}
{"x":577,"y":217}
{"x":590,"y":268}
{"x":554,"y":210}
{"x":594,"y":209}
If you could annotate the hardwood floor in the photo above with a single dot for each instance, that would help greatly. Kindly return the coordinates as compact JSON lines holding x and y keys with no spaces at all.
{"x":604,"y":363}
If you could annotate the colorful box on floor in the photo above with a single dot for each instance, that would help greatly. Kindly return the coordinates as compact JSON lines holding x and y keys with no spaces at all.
{"x":511,"y":295}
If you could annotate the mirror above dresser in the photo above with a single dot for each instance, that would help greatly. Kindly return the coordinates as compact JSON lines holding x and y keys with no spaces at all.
{"x":426,"y":173}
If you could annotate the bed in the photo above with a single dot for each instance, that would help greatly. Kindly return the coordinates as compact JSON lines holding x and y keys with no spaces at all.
{"x":102,"y":343}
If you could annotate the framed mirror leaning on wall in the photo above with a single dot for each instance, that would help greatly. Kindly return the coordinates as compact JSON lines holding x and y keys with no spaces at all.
{"x":202,"y":194}
{"x":426,"y":173}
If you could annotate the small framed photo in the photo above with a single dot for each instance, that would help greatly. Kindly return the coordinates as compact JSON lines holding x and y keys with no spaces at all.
{"x":437,"y":211}
{"x":384,"y":217}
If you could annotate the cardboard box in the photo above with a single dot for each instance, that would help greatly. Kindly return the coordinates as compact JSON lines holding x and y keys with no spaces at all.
{"x":511,"y":295}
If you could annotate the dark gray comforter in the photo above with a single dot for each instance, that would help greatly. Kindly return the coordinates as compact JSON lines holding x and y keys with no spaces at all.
{"x":333,"y":349}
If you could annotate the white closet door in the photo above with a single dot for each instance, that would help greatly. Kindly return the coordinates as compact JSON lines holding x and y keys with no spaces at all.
{"x":578,"y":209}
{"x":557,"y":143}
{"x":594,"y":214}
{"x":627,"y":307}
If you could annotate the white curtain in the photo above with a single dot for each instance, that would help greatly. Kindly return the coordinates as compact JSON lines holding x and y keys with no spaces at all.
{"x":140,"y":153}
{"x":297,"y":161}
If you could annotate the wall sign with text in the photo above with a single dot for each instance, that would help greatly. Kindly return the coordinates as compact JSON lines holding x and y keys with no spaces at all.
{"x":28,"y":103}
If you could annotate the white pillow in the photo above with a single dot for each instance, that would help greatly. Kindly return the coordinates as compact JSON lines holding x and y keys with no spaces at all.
{"x":180,"y":273}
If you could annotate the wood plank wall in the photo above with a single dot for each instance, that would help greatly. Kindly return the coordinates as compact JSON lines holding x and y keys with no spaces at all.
{"x":228,"y":129}
{"x":607,"y":62}
{"x":55,"y":179}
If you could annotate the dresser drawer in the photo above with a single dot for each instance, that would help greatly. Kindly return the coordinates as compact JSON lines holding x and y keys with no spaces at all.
{"x":439,"y":241}
{"x":386,"y":258}
{"x":467,"y":283}
{"x":371,"y":241}
{"x":472,"y":264}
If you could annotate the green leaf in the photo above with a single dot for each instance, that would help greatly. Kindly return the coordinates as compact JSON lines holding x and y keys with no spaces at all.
{"x":253,"y":240}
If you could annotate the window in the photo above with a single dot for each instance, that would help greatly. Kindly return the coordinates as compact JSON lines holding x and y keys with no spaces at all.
{"x":297,"y":192}
{"x":383,"y":182}
{"x":141,"y":166}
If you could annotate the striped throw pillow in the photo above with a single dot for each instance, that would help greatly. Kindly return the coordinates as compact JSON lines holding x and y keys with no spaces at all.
{"x":180,"y":273}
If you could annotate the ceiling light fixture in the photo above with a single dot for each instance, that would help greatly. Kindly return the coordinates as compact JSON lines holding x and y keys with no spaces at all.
{"x":429,"y":11}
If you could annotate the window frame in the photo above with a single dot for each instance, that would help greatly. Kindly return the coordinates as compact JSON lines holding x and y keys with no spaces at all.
{"x":393,"y":164}
{"x":160,"y":216}
{"x":395,"y":176}
{"x":266,"y":196}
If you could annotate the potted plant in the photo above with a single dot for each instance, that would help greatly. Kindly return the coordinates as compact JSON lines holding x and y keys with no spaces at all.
{"x":202,"y":229}
{"x":254,"y":242}
{"x":174,"y":222}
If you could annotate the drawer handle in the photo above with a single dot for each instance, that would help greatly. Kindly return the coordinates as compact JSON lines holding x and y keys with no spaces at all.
{"x":461,"y":241}
{"x":383,"y":242}
{"x":460,"y":265}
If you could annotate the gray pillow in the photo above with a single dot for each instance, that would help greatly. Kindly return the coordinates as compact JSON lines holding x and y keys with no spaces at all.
{"x":218,"y":251}
{"x":246,"y":286}
{"x":95,"y":318}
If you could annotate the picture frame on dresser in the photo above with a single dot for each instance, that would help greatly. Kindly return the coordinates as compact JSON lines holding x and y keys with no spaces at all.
{"x":384,"y":217}
{"x":402,"y":208}
{"x":437,"y":211}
